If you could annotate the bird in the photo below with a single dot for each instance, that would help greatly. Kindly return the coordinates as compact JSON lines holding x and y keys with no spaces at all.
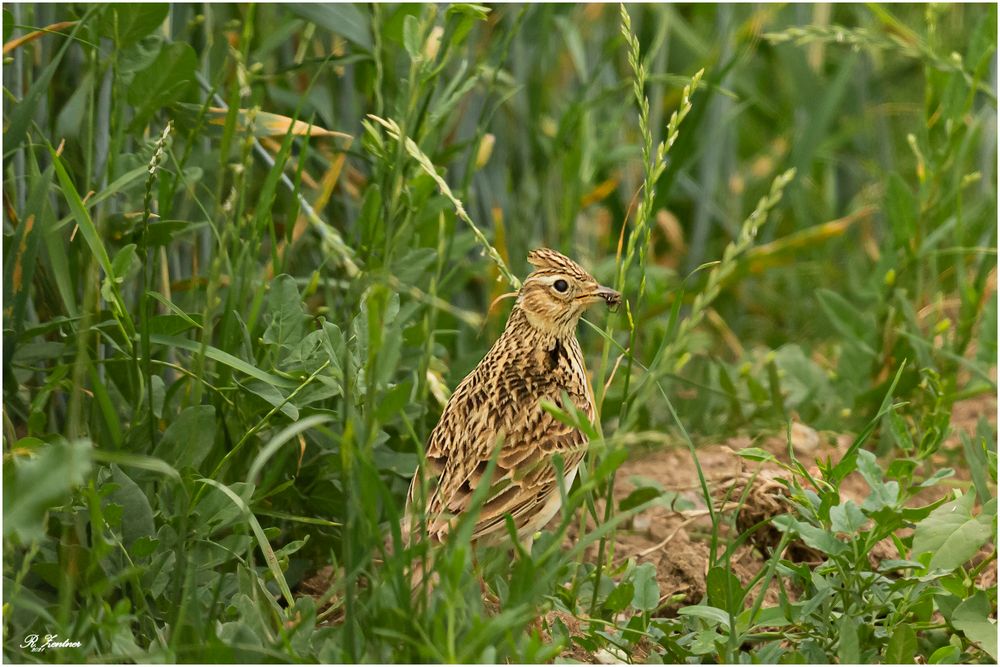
{"x":537,"y":358}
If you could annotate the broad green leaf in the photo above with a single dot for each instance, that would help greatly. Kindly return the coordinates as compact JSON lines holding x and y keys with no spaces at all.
{"x":189,"y":438}
{"x":946,"y":655}
{"x":137,"y":519}
{"x":287,"y":316}
{"x":647,"y":590}
{"x":848,"y":650}
{"x":883,"y":494}
{"x":813,"y":536}
{"x":639,"y":496}
{"x":411,"y":37}
{"x":33,"y":485}
{"x":952,"y":534}
{"x":480,"y":12}
{"x":724,"y":589}
{"x":620,"y":598}
{"x":767,"y":617}
{"x":127,"y":23}
{"x":163,"y":82}
{"x":273,"y":396}
{"x":902,"y":647}
{"x":972,"y":617}
{"x":393,"y":402}
{"x":713,"y":615}
{"x":847,"y":518}
{"x":347,"y":20}
{"x":853,"y":324}
{"x":899,"y":431}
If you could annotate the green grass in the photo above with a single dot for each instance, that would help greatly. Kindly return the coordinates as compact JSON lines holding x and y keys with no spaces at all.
{"x":249,"y":249}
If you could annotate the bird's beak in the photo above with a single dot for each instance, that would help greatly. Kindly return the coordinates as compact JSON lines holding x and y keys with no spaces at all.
{"x":610,"y":297}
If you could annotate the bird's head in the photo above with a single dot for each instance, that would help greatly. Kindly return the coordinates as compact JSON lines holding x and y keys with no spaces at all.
{"x":555,"y":294}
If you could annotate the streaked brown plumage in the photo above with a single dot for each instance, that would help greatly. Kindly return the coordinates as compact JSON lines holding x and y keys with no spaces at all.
{"x":537,"y":357}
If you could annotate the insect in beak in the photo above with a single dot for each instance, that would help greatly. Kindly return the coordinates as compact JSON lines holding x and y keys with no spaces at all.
{"x":612,"y":298}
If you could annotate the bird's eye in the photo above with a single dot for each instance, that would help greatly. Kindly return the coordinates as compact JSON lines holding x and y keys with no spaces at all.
{"x":561,"y":285}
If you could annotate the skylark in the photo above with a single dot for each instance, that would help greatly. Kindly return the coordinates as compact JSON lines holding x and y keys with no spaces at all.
{"x":499,"y":404}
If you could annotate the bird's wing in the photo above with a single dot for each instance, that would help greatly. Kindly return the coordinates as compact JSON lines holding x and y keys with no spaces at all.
{"x":461,"y":446}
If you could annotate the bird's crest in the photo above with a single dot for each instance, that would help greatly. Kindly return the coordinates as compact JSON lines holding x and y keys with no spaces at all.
{"x":546,"y":259}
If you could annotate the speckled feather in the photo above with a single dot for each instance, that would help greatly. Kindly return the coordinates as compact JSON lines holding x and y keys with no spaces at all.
{"x":499,"y":403}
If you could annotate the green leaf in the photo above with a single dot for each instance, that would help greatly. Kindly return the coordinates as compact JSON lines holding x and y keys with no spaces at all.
{"x":713,"y":615}
{"x":163,"y":82}
{"x":273,"y":396}
{"x":724,"y":589}
{"x":265,"y":546}
{"x":287,"y":317}
{"x":972,"y":617}
{"x":189,"y":438}
{"x":34,"y":485}
{"x":901,"y":210}
{"x":902,"y":647}
{"x":935,"y":479}
{"x":815,"y":537}
{"x":122,"y":264}
{"x":946,"y":655}
{"x":137,"y":520}
{"x":411,"y":36}
{"x":647,"y":590}
{"x":853,"y":324}
{"x":347,"y":20}
{"x":756,"y":454}
{"x":899,"y":431}
{"x":127,"y":23}
{"x":883,"y":494}
{"x":952,"y":534}
{"x":849,"y":650}
{"x":847,"y":518}
{"x":639,"y":496}
{"x":280,"y":439}
{"x":143,"y":548}
{"x":218,"y":355}
{"x":393,"y":402}
{"x":975,"y":454}
{"x":480,"y":12}
{"x":620,"y":598}
{"x":136,"y":461}
{"x":83,"y":220}
{"x":173,"y":308}
{"x":94,"y":242}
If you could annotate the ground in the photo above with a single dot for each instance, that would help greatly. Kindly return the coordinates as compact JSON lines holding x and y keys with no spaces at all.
{"x":676,"y":541}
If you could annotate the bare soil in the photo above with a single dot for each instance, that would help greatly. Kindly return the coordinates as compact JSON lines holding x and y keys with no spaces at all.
{"x":677,"y":540}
